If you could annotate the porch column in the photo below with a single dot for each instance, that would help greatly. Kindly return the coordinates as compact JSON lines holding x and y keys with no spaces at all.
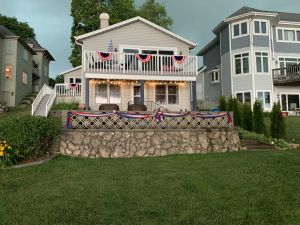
{"x":87,"y":94}
{"x":194,"y":96}
{"x":142,"y":92}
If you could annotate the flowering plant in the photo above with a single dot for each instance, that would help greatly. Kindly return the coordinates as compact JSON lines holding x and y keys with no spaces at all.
{"x":7,"y":154}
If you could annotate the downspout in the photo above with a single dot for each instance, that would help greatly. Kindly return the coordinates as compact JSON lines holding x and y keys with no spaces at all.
{"x":252,"y":61}
{"x":82,"y":69}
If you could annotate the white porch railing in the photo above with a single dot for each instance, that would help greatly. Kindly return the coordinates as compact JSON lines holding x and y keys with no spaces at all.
{"x":44,"y":91}
{"x":62,"y":90}
{"x":50,"y":102}
{"x":128,"y":63}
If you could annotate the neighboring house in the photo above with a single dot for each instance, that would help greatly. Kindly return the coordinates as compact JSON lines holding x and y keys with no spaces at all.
{"x":24,"y":67}
{"x":255,"y":55}
{"x":134,"y":61}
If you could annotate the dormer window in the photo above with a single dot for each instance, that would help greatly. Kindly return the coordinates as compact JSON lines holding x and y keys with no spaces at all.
{"x":240,"y":29}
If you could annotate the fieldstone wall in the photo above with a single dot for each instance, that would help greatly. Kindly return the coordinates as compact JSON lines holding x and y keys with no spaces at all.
{"x":145,"y":143}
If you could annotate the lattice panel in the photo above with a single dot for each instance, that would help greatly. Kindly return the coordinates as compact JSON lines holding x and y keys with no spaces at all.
{"x":116,"y":122}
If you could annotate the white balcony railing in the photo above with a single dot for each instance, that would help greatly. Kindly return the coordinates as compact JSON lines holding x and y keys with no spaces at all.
{"x":68,"y":90}
{"x":128,"y":63}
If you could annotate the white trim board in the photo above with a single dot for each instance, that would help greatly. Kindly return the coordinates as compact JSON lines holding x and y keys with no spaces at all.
{"x":71,"y":70}
{"x":132,"y":20}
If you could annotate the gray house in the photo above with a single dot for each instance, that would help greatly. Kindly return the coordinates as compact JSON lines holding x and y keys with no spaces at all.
{"x":24,"y":67}
{"x":255,"y":55}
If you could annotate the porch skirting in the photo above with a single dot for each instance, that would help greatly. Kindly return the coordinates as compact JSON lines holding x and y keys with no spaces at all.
{"x":146,"y":143}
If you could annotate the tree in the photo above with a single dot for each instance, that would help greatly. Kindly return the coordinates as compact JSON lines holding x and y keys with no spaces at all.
{"x":22,"y":29}
{"x":222,"y":104}
{"x":258,"y":118}
{"x":278,"y":127}
{"x":156,"y":13}
{"x":236,"y":113}
{"x":58,"y":80}
{"x":86,"y":13}
{"x":247,"y":117}
{"x":230,"y":104}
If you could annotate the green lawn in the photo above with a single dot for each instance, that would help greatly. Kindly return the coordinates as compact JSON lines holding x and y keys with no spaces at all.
{"x":15,"y":113}
{"x":221,"y":189}
{"x":292,"y":130}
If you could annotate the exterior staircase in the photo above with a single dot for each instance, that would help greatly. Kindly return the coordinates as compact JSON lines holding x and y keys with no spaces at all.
{"x":41,"y":109}
{"x":28,"y":100}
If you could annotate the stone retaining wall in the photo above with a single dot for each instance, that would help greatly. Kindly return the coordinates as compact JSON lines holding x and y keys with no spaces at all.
{"x":144,"y":143}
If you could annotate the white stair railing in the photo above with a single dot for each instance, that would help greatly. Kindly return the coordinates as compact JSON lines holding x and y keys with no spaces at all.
{"x":50,"y":102}
{"x":45,"y":90}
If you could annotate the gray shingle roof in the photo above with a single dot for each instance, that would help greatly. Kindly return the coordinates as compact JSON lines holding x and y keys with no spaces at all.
{"x":36,"y":45}
{"x":6,"y":32}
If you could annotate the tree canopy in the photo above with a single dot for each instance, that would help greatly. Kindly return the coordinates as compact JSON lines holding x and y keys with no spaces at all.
{"x":22,"y":29}
{"x":86,"y":13}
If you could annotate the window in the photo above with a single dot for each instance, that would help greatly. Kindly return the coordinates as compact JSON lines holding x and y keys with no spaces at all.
{"x":240,"y":29}
{"x":25,"y":54}
{"x":288,"y":35}
{"x":215,"y":76}
{"x":264,"y":98}
{"x":262,"y":62}
{"x":24,"y":78}
{"x":284,"y":62}
{"x":166,"y":94}
{"x":73,"y":80}
{"x":244,"y":97}
{"x":260,"y":27}
{"x":8,"y":72}
{"x":241,"y":63}
{"x":108,"y":93}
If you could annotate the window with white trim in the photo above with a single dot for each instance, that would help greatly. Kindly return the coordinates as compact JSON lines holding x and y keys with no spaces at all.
{"x":24,"y":78}
{"x":107,"y":93}
{"x":241,"y":62}
{"x":260,"y":27}
{"x":73,"y":80}
{"x":244,"y":97}
{"x":288,"y":35}
{"x":166,"y":94}
{"x":240,"y":29}
{"x":215,"y":76}
{"x":290,"y":61}
{"x":8,"y":72}
{"x":262,"y":62}
{"x":265,"y":98}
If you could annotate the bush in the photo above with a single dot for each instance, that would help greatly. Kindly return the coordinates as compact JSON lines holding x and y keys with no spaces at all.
{"x":28,"y":136}
{"x":230,"y":104}
{"x":66,"y":106}
{"x":258,"y":118}
{"x":278,"y":127}
{"x":247,"y":117}
{"x":279,"y":144}
{"x":222,"y":104}
{"x":237,"y":113}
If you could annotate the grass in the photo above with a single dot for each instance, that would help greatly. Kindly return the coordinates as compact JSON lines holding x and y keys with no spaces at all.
{"x":292,"y":130}
{"x":228,"y":189}
{"x":15,"y":113}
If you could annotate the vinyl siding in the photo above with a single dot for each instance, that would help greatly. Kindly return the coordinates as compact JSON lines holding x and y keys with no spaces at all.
{"x":261,"y":41}
{"x":76,"y":74}
{"x":242,"y":42}
{"x":285,"y":47}
{"x":224,"y":40}
{"x":135,"y":34}
{"x":41,"y":60}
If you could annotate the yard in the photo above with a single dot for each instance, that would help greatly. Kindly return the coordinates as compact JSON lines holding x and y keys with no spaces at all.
{"x":15,"y":113}
{"x":228,"y":189}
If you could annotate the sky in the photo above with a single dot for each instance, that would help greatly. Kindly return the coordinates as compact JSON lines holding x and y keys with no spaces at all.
{"x":193,"y":19}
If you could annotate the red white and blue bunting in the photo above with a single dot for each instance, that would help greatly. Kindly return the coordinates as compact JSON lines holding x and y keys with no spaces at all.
{"x":73,"y":86}
{"x":158,"y":116}
{"x":104,"y":56}
{"x":179,"y":58}
{"x":144,"y":57}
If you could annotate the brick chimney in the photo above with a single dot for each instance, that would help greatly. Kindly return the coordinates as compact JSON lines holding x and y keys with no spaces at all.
{"x":104,"y":20}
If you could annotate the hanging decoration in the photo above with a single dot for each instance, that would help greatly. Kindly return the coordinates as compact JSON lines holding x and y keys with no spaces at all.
{"x":105,"y":56}
{"x":179,"y":58}
{"x":73,"y":86}
{"x":110,"y":46}
{"x":144,"y":57}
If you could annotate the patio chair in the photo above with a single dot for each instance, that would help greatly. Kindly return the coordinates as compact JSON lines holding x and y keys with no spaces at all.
{"x":109,"y":107}
{"x":137,"y":107}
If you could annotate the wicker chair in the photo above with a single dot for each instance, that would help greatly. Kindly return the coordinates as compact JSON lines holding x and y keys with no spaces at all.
{"x":137,"y":107}
{"x":109,"y":107}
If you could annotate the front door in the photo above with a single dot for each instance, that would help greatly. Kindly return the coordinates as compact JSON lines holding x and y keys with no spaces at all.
{"x":137,"y":94}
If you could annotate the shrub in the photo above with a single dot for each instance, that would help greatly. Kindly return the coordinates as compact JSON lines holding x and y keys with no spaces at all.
{"x":278,"y":127}
{"x":247,"y":117}
{"x":237,"y":113}
{"x":258,"y":118}
{"x":66,"y":106}
{"x":230,"y":104}
{"x":28,"y":136}
{"x":222,"y":104}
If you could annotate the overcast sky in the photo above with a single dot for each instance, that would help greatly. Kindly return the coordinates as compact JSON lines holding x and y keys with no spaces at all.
{"x":193,"y":19}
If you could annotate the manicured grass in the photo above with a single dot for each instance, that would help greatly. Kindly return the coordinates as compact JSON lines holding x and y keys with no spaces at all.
{"x":15,"y":113}
{"x":292,"y":129}
{"x":228,"y":189}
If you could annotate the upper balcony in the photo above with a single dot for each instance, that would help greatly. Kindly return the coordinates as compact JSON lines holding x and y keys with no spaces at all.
{"x":287,"y":76}
{"x":139,"y":64}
